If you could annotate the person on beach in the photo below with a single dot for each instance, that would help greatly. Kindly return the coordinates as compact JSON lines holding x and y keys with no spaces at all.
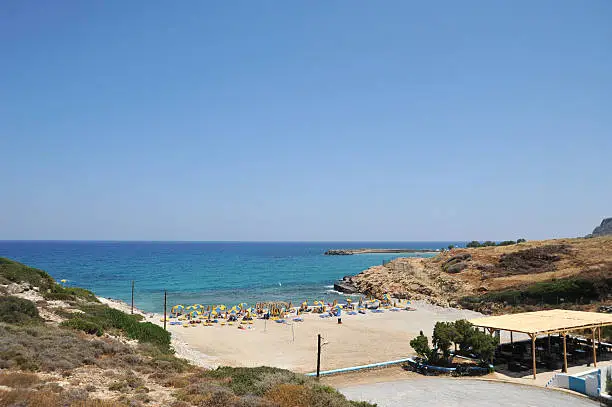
{"x":339,"y":314}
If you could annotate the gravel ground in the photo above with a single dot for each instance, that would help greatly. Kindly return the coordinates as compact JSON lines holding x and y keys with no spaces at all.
{"x":461,"y":392}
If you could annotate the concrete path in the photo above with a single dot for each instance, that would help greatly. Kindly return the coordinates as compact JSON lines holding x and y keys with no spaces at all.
{"x":461,"y":392}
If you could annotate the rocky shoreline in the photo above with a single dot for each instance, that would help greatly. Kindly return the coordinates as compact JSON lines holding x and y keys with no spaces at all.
{"x":348,"y":252}
{"x":346,"y":285}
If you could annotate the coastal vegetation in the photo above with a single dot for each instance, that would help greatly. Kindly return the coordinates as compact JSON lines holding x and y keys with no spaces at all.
{"x":467,"y":341}
{"x":62,"y":347}
{"x":489,"y":243}
{"x":573,"y":291}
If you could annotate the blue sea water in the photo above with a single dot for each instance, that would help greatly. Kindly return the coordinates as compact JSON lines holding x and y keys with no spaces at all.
{"x":203,"y":272}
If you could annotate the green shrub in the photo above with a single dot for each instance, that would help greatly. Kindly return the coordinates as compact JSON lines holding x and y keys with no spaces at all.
{"x":100,"y":318}
{"x":420,"y":344}
{"x":58,"y":292}
{"x":545,"y":292}
{"x":15,"y":310}
{"x":84,"y":325}
{"x":14,"y":272}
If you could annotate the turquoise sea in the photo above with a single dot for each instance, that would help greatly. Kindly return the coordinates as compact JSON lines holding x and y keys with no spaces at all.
{"x":203,"y":272}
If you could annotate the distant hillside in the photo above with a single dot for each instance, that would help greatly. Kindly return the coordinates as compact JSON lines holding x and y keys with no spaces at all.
{"x":605,"y":229}
{"x":574,"y":273}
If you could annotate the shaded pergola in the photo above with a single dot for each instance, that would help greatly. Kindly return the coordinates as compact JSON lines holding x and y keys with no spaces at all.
{"x":555,"y":321}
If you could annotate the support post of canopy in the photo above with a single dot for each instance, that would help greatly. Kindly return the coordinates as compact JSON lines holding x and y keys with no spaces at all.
{"x":533,"y":353}
{"x":564,"y":335}
{"x":594,"y":349}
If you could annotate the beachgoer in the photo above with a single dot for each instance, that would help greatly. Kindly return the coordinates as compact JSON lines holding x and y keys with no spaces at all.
{"x":339,"y":314}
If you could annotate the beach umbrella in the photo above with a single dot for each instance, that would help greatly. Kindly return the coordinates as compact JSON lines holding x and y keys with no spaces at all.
{"x":242,"y":305}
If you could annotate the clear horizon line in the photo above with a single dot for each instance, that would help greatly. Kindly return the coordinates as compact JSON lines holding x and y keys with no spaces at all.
{"x":230,"y":241}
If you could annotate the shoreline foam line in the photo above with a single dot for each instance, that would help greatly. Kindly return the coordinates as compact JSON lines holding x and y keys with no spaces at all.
{"x":356,"y":368}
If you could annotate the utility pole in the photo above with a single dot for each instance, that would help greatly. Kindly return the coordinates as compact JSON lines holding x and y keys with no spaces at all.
{"x":132,"y":296}
{"x":318,"y":355}
{"x":165,"y":307}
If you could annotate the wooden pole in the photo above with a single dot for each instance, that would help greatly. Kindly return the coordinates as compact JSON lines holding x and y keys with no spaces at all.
{"x":564,"y":334}
{"x":594,"y":349}
{"x":132,"y":296}
{"x":511,"y":340}
{"x":165,"y":307}
{"x":318,"y":355}
{"x":533,"y":354}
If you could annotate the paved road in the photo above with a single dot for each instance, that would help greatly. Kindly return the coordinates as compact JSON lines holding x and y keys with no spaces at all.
{"x":461,"y":392}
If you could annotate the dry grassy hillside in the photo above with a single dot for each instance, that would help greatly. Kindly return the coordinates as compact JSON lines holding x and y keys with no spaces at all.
{"x":560,"y":272}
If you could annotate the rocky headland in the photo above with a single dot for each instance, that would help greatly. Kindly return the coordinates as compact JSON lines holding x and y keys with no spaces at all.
{"x":529,"y":274}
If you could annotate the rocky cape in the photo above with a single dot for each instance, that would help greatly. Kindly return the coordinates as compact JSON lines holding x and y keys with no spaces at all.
{"x":454,"y":275}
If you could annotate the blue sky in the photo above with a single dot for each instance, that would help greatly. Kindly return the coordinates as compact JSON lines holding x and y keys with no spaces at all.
{"x":318,"y":120}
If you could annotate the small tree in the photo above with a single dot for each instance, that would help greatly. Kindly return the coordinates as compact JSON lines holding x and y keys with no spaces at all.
{"x":473,"y":243}
{"x":463,"y":331}
{"x":442,"y":338}
{"x":451,"y":246}
{"x":483,"y":345}
{"x":420,"y":344}
{"x":521,"y":241}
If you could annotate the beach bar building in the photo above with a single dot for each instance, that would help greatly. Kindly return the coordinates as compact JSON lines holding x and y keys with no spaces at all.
{"x":557,"y":321}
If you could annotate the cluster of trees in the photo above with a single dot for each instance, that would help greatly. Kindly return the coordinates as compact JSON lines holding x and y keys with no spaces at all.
{"x":475,"y":243}
{"x":466,"y":339}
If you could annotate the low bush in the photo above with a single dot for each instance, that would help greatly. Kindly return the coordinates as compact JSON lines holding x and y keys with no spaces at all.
{"x":290,"y":395}
{"x":127,"y":382}
{"x":47,"y":348}
{"x":277,"y":386}
{"x":30,"y":398}
{"x":15,"y":310}
{"x":256,"y":380}
{"x":18,"y":380}
{"x":58,"y":292}
{"x":48,"y":398}
{"x":84,"y":325}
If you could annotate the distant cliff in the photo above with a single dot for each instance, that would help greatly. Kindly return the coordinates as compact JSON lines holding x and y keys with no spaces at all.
{"x":604,"y":229}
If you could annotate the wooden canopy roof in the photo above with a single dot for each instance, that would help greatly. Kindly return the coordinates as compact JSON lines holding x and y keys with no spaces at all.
{"x":545,"y":322}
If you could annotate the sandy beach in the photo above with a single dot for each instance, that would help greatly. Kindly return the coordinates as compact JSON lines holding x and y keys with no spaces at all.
{"x":361,"y":339}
